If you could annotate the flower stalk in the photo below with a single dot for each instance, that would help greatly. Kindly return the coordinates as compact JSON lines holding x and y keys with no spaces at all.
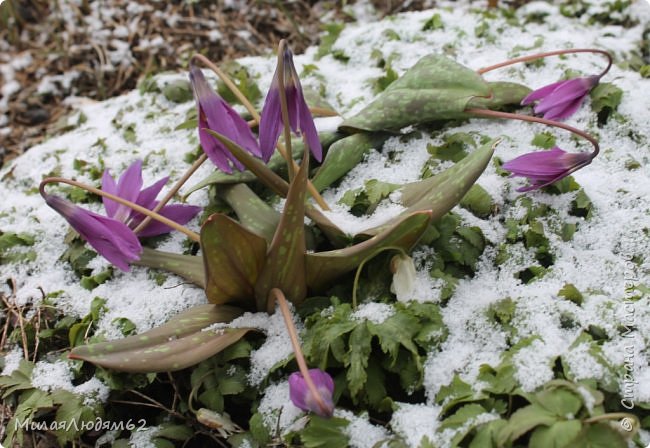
{"x":276,"y":295}
{"x":533,"y":57}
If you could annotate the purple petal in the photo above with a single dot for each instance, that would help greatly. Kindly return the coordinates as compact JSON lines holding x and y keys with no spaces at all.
{"x":128,"y":187}
{"x":213,"y":148}
{"x":216,"y":114}
{"x":109,"y":237}
{"x":545,"y":167}
{"x":178,"y":213}
{"x":302,"y":397}
{"x":109,"y":186}
{"x":147,"y":197}
{"x":270,"y":122}
{"x":567,"y":92}
{"x":563,"y":111}
{"x":540,"y":93}
{"x":309,"y":132}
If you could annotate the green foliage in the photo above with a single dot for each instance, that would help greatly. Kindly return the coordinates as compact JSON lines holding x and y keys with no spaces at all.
{"x":324,"y":433}
{"x":605,"y":98}
{"x":364,"y":200}
{"x":380,"y":84}
{"x":178,"y":91}
{"x":333,"y":30}
{"x":478,"y":201}
{"x":544,"y":140}
{"x":55,"y":409}
{"x":434,"y":23}
{"x":244,"y":82}
{"x":370,"y":352}
{"x":12,"y":247}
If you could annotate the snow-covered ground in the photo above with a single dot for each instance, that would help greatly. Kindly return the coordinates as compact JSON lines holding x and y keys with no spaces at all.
{"x":597,"y":260}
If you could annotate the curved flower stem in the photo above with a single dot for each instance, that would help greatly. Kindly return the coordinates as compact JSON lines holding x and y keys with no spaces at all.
{"x":355,"y":285}
{"x":533,"y":57}
{"x":557,"y":124}
{"x":145,"y":211}
{"x":170,"y":194}
{"x":285,"y":109}
{"x":278,"y":296}
{"x":256,"y":117}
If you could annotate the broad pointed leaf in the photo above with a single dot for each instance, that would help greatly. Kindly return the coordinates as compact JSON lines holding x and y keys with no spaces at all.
{"x":187,"y":266}
{"x":173,"y":346}
{"x":281,"y":187}
{"x":285,"y":261}
{"x":344,"y":155}
{"x":440,"y":193}
{"x":325,"y":267}
{"x":253,"y":213}
{"x":233,"y":258}
{"x":502,"y":94}
{"x":435,"y":88}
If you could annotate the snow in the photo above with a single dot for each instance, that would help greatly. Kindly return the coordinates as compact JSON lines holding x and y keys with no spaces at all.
{"x":596,"y":260}
{"x":362,"y":433}
{"x":12,"y":360}
{"x":276,"y":408}
{"x":57,"y":375}
{"x":374,"y":312}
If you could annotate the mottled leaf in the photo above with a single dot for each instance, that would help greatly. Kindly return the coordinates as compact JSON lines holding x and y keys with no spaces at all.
{"x":435,"y":88}
{"x":253,"y":213}
{"x":502,"y":94}
{"x":344,"y":155}
{"x":281,"y":187}
{"x":325,"y":267}
{"x":187,"y":266}
{"x":440,"y":193}
{"x":285,"y":262}
{"x":233,"y":258}
{"x":173,"y":346}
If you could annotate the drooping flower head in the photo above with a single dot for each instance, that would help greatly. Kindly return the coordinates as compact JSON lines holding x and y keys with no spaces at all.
{"x":543,"y":168}
{"x":113,"y":239}
{"x":300,"y":118}
{"x":216,"y":114}
{"x":129,"y":187}
{"x":302,"y":397}
{"x":560,"y":100}
{"x":113,"y":236}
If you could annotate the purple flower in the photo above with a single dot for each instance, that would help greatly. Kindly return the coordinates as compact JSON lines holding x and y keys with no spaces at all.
{"x":129,"y":187}
{"x":110,"y":237}
{"x":302,"y":397}
{"x":300,"y":119}
{"x":216,"y":114}
{"x":545,"y":167}
{"x":562,"y":99}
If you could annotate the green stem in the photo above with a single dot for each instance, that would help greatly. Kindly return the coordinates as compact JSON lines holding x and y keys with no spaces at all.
{"x":355,"y":285}
{"x":546,"y":54}
{"x":278,"y":296}
{"x":132,"y":205}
